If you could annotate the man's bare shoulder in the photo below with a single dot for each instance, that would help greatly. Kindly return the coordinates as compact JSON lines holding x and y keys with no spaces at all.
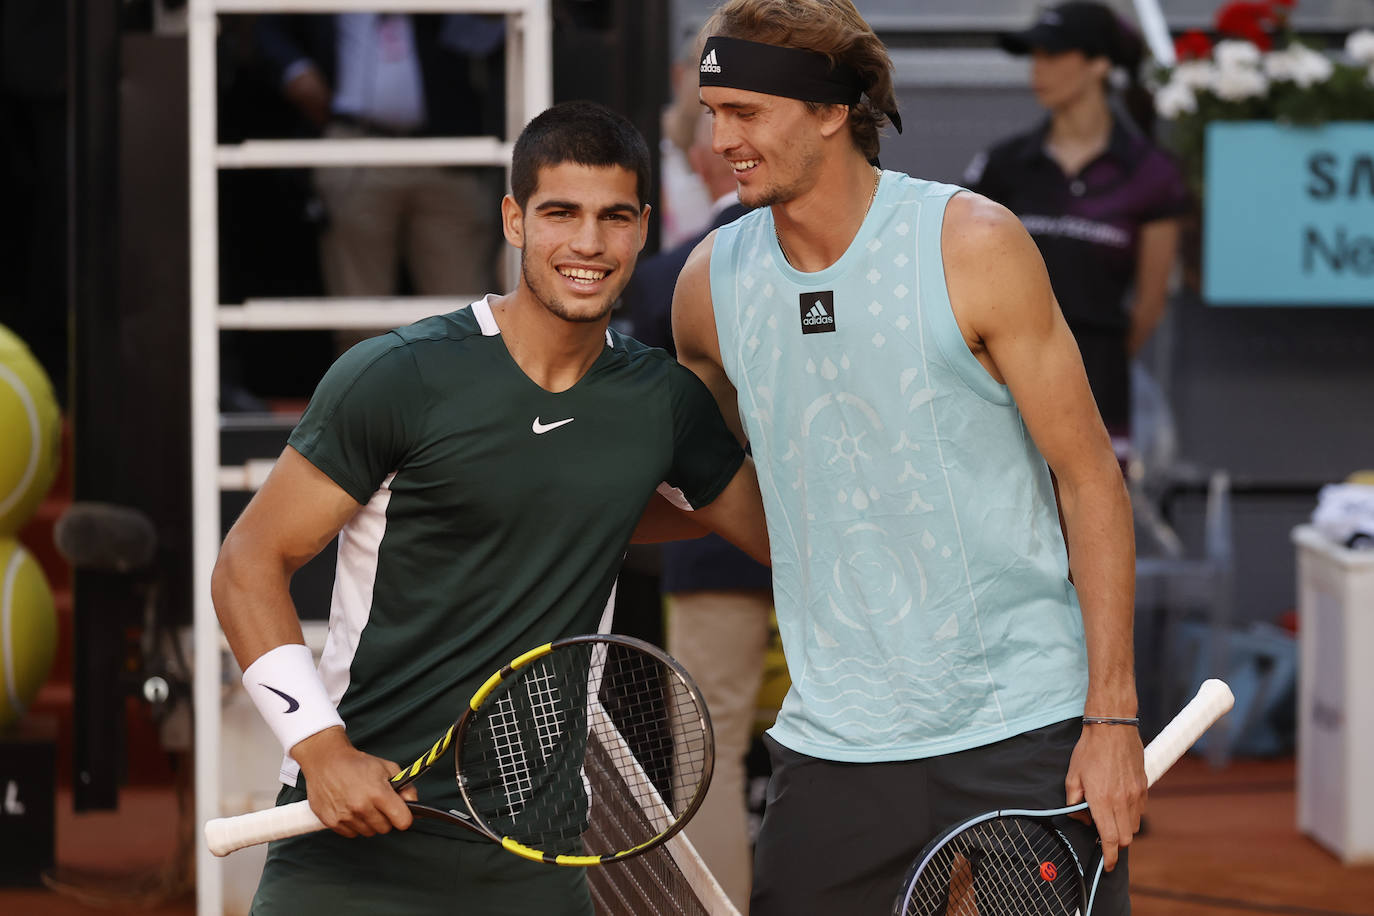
{"x":977,"y":227}
{"x":693,"y":290}
{"x":700,"y":258}
{"x":994,"y":271}
{"x":694,"y":326}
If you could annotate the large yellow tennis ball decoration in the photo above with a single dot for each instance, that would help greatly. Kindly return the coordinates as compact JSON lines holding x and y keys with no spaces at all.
{"x":28,"y":630}
{"x":30,"y":433}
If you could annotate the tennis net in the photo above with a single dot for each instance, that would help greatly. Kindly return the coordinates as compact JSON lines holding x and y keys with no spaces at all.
{"x":668,"y":880}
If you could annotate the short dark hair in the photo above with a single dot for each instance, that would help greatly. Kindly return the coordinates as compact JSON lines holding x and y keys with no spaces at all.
{"x":585,"y":133}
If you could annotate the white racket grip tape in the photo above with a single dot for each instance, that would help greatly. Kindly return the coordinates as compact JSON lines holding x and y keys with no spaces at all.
{"x":225,"y":834}
{"x":1214,"y":699}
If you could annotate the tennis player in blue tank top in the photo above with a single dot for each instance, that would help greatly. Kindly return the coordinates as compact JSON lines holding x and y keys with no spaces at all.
{"x":921,"y":423}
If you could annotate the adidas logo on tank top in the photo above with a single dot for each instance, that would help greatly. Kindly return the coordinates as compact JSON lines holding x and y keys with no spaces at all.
{"x":817,"y":312}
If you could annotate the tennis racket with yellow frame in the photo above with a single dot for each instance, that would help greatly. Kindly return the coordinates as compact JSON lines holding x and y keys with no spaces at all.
{"x":606,"y":724}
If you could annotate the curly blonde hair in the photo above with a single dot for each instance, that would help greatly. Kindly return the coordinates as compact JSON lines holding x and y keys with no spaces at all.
{"x":831,"y":27}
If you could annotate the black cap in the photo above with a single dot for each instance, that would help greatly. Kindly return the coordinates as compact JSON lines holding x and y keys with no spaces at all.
{"x":1088,"y":27}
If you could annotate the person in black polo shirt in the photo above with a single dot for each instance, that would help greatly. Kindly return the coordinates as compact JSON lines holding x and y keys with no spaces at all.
{"x":1101,"y":200}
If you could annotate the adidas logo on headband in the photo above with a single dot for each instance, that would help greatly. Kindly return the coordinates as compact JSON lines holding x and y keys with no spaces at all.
{"x":793,"y":73}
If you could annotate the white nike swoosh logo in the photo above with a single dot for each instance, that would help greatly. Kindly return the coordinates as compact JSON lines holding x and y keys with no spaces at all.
{"x":541,"y":428}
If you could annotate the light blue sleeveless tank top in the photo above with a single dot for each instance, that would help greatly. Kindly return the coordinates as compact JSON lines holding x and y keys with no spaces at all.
{"x":919,"y":571}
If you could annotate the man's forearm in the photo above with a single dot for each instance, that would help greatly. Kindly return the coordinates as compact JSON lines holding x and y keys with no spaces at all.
{"x":254,"y":607}
{"x":662,"y":522}
{"x":737,"y":514}
{"x":1101,"y":541}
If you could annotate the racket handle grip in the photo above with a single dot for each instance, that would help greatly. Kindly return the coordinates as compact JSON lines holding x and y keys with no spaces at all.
{"x":1214,"y":699}
{"x":225,"y":834}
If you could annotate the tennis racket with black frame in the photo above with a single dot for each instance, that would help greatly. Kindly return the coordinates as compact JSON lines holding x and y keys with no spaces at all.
{"x":1017,"y":862}
{"x":603,"y":724}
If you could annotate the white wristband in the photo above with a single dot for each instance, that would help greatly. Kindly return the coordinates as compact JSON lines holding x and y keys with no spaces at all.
{"x":289,"y":694}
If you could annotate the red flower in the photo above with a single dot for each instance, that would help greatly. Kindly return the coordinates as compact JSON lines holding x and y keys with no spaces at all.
{"x":1192,"y":45}
{"x":1248,"y":21}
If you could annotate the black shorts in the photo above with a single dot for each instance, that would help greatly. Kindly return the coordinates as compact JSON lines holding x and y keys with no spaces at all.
{"x":410,"y":873}
{"x":840,"y":837}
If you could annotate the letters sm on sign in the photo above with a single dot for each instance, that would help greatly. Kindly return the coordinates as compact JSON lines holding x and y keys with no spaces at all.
{"x":1289,"y":214}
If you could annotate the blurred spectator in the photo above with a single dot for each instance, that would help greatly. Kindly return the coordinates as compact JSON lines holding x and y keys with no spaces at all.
{"x":684,"y":200}
{"x":718,"y":600}
{"x":647,"y":301}
{"x":1101,"y":200}
{"x":394,"y":75}
{"x":33,"y":180}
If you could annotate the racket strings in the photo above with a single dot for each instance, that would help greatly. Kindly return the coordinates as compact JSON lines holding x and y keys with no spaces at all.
{"x":596,"y":725}
{"x":1001,"y":867}
{"x":546,"y":700}
{"x":1017,"y":881}
{"x":650,"y":726}
{"x":513,"y":769}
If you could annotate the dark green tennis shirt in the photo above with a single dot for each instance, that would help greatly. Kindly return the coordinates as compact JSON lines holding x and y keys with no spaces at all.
{"x":495,"y":513}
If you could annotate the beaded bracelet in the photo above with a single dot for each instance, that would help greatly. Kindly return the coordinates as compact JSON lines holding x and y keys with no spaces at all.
{"x":1111,"y":720}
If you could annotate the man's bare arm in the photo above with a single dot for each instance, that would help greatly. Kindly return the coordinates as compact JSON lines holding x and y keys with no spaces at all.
{"x":737,"y":514}
{"x":290,"y":519}
{"x":694,"y":332}
{"x":663,"y":521}
{"x":1012,"y":323}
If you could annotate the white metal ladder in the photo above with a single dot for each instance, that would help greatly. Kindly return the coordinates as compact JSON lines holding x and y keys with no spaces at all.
{"x":529,"y":91}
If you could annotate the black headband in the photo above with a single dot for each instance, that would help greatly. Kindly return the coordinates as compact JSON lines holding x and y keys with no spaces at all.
{"x":793,"y":73}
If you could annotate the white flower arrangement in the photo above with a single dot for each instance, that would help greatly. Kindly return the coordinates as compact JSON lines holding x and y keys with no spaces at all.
{"x":1236,"y":55}
{"x":1238,"y":82}
{"x":1175,"y":100}
{"x":1239,"y":70}
{"x":1300,"y":64}
{"x":1359,"y":46}
{"x":1260,"y":71}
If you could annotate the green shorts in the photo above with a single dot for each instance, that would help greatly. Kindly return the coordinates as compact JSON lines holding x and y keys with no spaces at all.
{"x":410,"y":872}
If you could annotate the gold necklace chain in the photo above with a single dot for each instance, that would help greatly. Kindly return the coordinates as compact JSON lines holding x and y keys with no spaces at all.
{"x":877,"y":179}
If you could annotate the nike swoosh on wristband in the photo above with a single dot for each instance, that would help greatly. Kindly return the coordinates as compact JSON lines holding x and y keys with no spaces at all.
{"x":291,"y":704}
{"x":541,"y":428}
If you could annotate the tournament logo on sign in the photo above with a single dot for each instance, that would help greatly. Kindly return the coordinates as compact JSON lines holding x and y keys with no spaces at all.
{"x":817,"y":312}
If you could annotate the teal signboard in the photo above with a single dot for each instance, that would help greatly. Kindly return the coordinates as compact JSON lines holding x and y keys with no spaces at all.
{"x":1289,"y":216}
